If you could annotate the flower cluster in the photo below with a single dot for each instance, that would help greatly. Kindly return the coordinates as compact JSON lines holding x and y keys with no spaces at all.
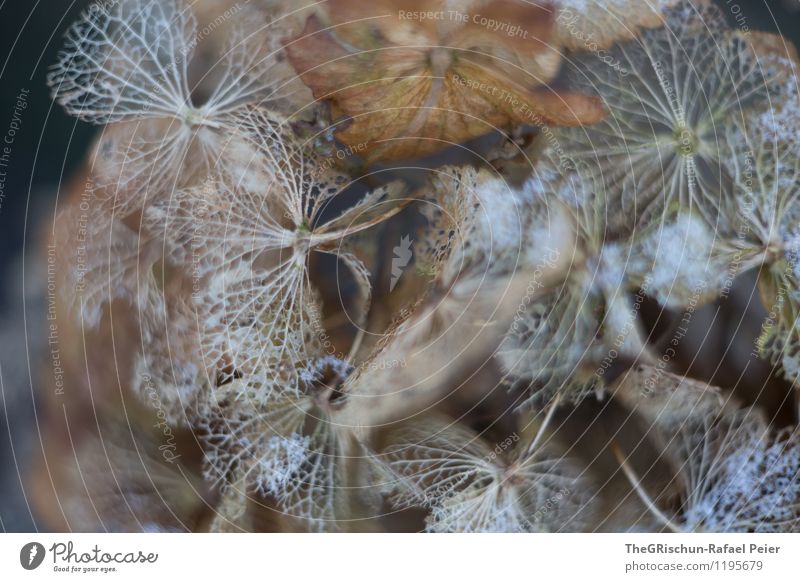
{"x":235,"y":232}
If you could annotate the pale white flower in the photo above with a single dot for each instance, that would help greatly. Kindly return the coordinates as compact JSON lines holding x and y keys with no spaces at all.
{"x":252,"y":256}
{"x":734,"y":476}
{"x":290,"y":448}
{"x":281,"y":462}
{"x":435,"y":463}
{"x":679,"y":262}
{"x":662,"y":145}
{"x":557,"y":342}
{"x":760,"y":228}
{"x":128,"y":63}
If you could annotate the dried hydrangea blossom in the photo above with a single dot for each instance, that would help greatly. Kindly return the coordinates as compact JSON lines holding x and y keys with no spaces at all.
{"x":253,"y":256}
{"x":752,"y":487}
{"x":129,"y":64}
{"x":733,"y":475}
{"x":652,"y":199}
{"x":260,"y":333}
{"x":559,"y":341}
{"x":679,"y":262}
{"x":252,"y":305}
{"x":169,"y":368}
{"x":380,"y":391}
{"x":761,"y":218}
{"x":445,"y":467}
{"x":660,"y":147}
{"x":291,"y":449}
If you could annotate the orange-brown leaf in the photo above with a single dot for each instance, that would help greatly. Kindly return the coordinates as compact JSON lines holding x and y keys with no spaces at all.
{"x":408,"y":87}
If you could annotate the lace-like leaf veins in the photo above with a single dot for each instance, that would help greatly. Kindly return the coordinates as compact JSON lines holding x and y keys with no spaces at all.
{"x":129,"y":62}
{"x":470,"y":488}
{"x":661,"y":147}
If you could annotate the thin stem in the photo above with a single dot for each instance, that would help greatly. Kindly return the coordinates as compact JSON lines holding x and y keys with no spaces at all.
{"x":545,"y":424}
{"x":356,"y":346}
{"x":321,"y":235}
{"x":637,"y":487}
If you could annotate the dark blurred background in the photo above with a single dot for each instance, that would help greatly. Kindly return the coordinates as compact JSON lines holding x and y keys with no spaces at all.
{"x":45,"y":152}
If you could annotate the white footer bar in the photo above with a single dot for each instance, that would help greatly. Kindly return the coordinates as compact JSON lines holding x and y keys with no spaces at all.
{"x":387,"y":557}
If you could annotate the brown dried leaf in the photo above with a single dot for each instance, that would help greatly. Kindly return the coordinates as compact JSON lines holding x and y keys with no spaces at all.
{"x":661,"y":397}
{"x":414,"y":87}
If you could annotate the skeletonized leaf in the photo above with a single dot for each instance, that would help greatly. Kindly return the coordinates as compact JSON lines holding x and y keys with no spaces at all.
{"x":662,"y":145}
{"x":128,"y":63}
{"x":290,"y":450}
{"x":761,"y":229}
{"x":735,"y":476}
{"x":469,"y":487}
